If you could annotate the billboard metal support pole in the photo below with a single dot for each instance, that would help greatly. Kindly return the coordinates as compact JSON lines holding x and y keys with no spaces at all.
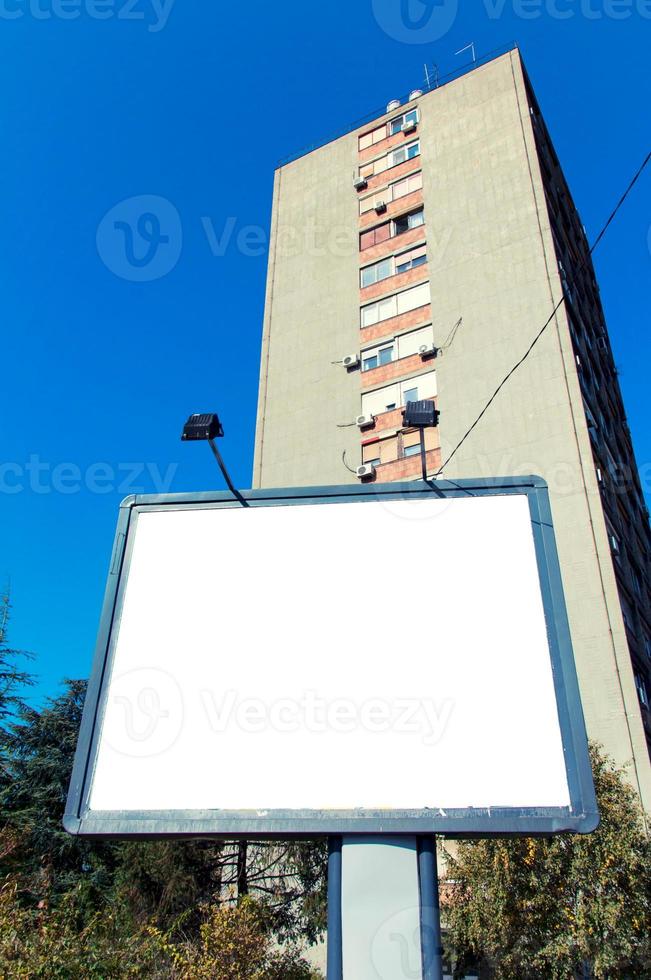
{"x":383,"y":908}
{"x":335,"y":965}
{"x":430,"y":910}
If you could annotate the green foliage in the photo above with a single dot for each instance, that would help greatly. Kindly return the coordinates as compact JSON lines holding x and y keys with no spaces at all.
{"x":545,"y":909}
{"x":235,"y":944}
{"x":62,"y":943}
{"x":12,"y":678}
{"x":40,"y":748}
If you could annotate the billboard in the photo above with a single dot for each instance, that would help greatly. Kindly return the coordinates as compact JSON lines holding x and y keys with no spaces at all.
{"x":383,"y":659}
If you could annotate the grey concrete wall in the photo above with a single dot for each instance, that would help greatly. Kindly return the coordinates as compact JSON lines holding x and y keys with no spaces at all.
{"x":311,"y":320}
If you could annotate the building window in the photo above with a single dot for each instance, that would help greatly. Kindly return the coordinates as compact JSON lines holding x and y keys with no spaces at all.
{"x":390,"y":306}
{"x":405,"y":345}
{"x":411,"y":259}
{"x":411,"y":118}
{"x":393,"y":265}
{"x":411,"y":450}
{"x":408,"y":221}
{"x":377,"y":358}
{"x":376,"y":236}
{"x":390,"y":396}
{"x":392,"y":159}
{"x":389,"y":229}
{"x":373,"y":274}
{"x":411,"y":395}
{"x":642,"y":691}
{"x":404,"y":153}
{"x":375,"y":136}
{"x":400,"y":188}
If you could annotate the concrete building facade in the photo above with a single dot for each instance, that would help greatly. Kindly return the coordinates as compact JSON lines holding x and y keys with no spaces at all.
{"x":428,"y":248}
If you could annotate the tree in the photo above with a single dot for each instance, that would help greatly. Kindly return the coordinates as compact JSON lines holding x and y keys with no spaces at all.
{"x":235,"y":944}
{"x":554,"y":909}
{"x":40,"y":747}
{"x":12,"y":678}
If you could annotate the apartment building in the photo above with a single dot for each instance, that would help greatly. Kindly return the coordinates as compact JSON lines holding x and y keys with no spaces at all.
{"x":417,"y":257}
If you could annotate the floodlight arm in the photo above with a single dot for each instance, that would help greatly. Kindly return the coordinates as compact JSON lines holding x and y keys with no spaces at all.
{"x":423,"y":455}
{"x":236,"y":493}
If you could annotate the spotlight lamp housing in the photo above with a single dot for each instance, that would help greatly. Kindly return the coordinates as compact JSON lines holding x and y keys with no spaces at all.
{"x":202,"y":428}
{"x":421,"y":415}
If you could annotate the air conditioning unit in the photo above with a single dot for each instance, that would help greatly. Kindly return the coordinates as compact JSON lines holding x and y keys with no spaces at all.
{"x":380,"y":207}
{"x":365,"y":421}
{"x":602,"y":343}
{"x":365,"y":472}
{"x":351,"y":361}
{"x":409,"y":127}
{"x":360,"y":183}
{"x":428,"y":350}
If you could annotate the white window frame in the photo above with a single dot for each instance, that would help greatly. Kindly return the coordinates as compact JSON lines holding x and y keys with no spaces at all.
{"x":426,"y":385}
{"x":387,"y":162}
{"x":427,"y":336}
{"x":392,"y":229}
{"x":375,"y":352}
{"x":387,"y":194}
{"x":395,"y":261}
{"x":402,"y":120}
{"x":405,"y":148}
{"x":375,"y":265}
{"x":392,"y":303}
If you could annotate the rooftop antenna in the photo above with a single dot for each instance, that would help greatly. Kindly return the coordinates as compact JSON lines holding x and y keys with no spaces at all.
{"x":469,"y":47}
{"x":434,"y":76}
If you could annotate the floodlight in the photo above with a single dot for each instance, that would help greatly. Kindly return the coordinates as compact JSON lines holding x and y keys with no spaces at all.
{"x":206,"y":427}
{"x":421,"y":415}
{"x":202,"y":428}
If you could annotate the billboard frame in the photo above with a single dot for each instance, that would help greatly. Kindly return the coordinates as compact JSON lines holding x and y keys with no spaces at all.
{"x":580,"y":817}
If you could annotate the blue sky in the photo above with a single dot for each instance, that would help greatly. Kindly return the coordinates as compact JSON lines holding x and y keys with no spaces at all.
{"x":106,"y":100}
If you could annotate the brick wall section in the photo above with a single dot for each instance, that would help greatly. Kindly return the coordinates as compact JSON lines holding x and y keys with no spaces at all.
{"x":415,"y":318}
{"x":407,"y":469}
{"x":385,"y":145}
{"x":393,"y":173}
{"x":409,"y":202}
{"x":391,"y":245}
{"x":396,"y":369}
{"x":391,"y":285}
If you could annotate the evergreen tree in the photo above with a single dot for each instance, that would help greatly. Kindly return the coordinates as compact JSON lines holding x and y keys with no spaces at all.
{"x":12,"y":677}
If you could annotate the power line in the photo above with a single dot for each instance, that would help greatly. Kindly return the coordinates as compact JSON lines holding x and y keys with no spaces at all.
{"x":554,"y":312}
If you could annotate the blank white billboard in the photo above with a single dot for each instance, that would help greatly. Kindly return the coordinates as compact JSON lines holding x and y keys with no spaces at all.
{"x":365,"y":657}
